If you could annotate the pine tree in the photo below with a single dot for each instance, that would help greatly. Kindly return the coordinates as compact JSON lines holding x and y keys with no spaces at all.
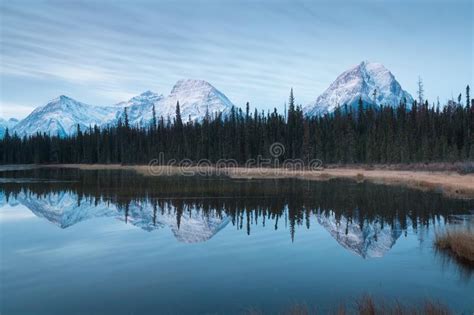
{"x":179,"y":134}
{"x":291,"y":126}
{"x":468,"y":97}
{"x":125,"y":117}
{"x":179,"y":121}
{"x":291,"y":100}
{"x":247,"y":111}
{"x":154,"y":117}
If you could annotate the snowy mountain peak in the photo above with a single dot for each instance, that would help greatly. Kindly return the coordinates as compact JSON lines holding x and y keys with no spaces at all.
{"x":63,"y":97}
{"x":147,"y":96}
{"x":360,"y":82}
{"x":140,"y":108}
{"x":62,"y":101}
{"x":195,"y":98}
{"x":148,"y":93}
{"x":189,"y":85}
{"x":61,"y":116}
{"x":373,"y":65}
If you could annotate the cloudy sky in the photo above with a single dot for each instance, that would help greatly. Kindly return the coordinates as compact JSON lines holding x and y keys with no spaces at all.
{"x":103,"y":52}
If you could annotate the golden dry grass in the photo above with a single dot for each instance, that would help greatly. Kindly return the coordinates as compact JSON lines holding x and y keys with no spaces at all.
{"x":458,"y":242}
{"x":366,"y":305}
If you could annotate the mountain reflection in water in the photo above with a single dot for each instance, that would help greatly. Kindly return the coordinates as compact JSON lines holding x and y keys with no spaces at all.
{"x":366,"y":219}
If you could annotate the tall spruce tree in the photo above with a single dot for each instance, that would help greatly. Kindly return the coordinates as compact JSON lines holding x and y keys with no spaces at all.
{"x":154,"y":122}
{"x":468,"y":96}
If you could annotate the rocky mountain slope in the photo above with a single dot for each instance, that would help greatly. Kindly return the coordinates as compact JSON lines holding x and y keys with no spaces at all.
{"x":360,"y":82}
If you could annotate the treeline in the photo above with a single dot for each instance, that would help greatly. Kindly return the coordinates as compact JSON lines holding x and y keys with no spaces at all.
{"x":363,"y":134}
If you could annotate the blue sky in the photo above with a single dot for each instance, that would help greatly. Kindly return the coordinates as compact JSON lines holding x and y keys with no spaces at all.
{"x":103,"y":52}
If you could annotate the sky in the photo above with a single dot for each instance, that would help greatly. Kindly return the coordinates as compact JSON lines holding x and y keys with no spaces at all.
{"x":104,"y":52}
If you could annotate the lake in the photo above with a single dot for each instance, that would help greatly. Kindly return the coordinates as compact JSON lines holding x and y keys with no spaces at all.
{"x":114,"y":242}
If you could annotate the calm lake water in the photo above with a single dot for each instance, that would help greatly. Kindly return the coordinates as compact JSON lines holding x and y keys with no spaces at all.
{"x":113,"y":242}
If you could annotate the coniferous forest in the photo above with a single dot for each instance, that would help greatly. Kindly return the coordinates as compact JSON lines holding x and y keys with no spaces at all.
{"x":416,"y":132}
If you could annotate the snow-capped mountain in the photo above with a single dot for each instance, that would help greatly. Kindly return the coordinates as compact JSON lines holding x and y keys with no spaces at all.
{"x":140,"y":108}
{"x":4,"y":124}
{"x":64,"y":210}
{"x":62,"y":115}
{"x":372,"y":240}
{"x":195,"y":98}
{"x":360,"y":82}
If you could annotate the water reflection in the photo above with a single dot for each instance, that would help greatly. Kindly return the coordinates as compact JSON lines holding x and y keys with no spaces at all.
{"x":65,"y":209}
{"x":365,"y":219}
{"x":371,"y":239}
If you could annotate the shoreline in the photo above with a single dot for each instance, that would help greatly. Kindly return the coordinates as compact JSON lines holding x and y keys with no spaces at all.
{"x":449,"y":183}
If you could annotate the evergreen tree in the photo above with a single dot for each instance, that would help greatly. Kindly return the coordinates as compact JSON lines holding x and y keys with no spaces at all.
{"x":154,"y":122}
{"x":125,"y":115}
{"x":468,"y":97}
{"x":179,"y":121}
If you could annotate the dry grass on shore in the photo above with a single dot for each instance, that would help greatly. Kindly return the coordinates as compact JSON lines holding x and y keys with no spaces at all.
{"x":459,"y":243}
{"x":368,"y":306}
{"x":455,"y":167}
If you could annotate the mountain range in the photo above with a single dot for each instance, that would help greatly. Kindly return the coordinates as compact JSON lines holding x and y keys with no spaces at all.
{"x":62,"y":115}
